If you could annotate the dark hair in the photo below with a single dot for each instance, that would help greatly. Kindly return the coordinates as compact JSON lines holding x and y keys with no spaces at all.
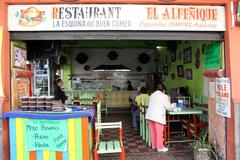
{"x":57,"y":81}
{"x":129,"y":82}
{"x":143,"y":90}
{"x":183,"y":91}
{"x":161,"y":87}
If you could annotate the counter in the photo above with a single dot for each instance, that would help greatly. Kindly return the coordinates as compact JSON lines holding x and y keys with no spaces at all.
{"x":118,"y":98}
{"x":50,"y":135}
{"x":109,"y":98}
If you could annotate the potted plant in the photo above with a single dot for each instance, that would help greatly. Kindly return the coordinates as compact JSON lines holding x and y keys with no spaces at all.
{"x":203,"y":149}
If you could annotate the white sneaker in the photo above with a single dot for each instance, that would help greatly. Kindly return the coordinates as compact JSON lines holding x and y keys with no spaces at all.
{"x":164,"y":149}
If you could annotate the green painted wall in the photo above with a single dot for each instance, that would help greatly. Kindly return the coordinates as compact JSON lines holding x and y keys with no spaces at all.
{"x":196,"y":85}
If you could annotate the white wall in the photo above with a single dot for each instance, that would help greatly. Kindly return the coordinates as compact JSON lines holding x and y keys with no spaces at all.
{"x":127,"y":57}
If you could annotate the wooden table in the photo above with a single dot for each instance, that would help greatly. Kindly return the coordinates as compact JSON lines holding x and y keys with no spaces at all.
{"x":193,"y":112}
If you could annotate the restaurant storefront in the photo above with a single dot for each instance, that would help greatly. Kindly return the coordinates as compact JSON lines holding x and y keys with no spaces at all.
{"x":105,"y":22}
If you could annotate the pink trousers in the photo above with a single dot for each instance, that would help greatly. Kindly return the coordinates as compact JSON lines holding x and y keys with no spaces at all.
{"x":156,"y":131}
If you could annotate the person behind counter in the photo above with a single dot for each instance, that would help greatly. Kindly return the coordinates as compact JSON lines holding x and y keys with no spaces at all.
{"x":59,"y":94}
{"x":129,"y":87}
{"x":159,"y":102}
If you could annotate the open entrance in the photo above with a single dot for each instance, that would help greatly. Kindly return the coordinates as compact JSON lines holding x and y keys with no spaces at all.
{"x":104,"y":67}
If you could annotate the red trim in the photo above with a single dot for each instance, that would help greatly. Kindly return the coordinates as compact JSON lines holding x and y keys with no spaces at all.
{"x":214,"y":73}
{"x":24,"y":74}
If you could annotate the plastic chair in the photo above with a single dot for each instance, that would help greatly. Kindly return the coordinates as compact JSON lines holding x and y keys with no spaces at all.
{"x":105,"y":147}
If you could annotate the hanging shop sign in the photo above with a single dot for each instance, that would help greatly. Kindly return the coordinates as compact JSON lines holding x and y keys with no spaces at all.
{"x":46,"y":135}
{"x":115,"y":17}
{"x":223,"y":97}
{"x":212,"y":56}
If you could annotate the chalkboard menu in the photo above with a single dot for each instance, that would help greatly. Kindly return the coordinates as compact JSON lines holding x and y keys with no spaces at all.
{"x":46,"y":135}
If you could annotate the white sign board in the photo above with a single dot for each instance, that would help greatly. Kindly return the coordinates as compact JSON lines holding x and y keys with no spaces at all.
{"x":223,"y":102}
{"x":115,"y":17}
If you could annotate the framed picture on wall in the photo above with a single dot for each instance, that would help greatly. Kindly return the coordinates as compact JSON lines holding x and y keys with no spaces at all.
{"x":180,"y":71}
{"x":173,"y":56}
{"x":19,"y":57}
{"x":189,"y":75}
{"x":187,"y":55}
{"x":165,"y":70}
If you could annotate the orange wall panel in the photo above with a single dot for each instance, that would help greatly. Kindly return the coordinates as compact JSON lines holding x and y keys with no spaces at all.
{"x":232,"y":49}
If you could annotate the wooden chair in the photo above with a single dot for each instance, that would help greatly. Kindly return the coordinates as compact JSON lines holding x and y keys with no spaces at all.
{"x":202,"y":120}
{"x":114,"y":146}
{"x":186,"y":122}
{"x":185,"y":119}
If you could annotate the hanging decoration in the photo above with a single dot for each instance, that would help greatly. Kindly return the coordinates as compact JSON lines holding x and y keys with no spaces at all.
{"x":87,"y":68}
{"x":173,"y":76}
{"x":81,"y":58}
{"x":144,"y":58}
{"x":197,"y":60}
{"x":138,"y":68}
{"x":112,"y":55}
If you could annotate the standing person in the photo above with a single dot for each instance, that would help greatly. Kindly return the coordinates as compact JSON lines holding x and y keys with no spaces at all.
{"x":129,"y":87}
{"x":159,"y":102}
{"x":59,"y":94}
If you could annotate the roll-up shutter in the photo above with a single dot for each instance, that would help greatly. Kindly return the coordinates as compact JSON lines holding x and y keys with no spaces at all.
{"x":117,"y":35}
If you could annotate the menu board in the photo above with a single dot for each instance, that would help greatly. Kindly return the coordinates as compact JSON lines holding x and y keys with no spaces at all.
{"x":46,"y":135}
{"x":223,"y":91}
